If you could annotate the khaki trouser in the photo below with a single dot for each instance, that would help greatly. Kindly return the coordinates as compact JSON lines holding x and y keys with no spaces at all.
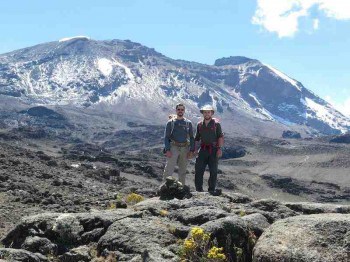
{"x":178,"y":158}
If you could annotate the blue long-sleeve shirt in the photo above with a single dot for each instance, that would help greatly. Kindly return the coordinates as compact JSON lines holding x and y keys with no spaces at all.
{"x":180,"y":133}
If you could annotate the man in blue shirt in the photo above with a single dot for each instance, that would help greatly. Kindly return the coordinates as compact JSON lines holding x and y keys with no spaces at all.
{"x":179,"y":144}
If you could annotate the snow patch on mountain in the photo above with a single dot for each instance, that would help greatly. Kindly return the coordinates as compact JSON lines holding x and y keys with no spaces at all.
{"x":265,"y":113}
{"x":270,"y":116}
{"x":147,"y":89}
{"x":127,"y":70}
{"x":282,"y":120}
{"x":324,"y":114}
{"x":284,"y":77}
{"x":105,"y":66}
{"x":255,"y":99}
{"x":73,"y":38}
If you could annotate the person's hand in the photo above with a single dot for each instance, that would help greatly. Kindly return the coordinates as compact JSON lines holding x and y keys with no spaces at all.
{"x":190,"y":155}
{"x":168,"y":154}
{"x":219,"y":153}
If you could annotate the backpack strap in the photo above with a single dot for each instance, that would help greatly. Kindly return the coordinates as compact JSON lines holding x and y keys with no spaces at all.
{"x":188,"y":125}
{"x":200,"y":124}
{"x":172,"y":123}
{"x":215,"y":121}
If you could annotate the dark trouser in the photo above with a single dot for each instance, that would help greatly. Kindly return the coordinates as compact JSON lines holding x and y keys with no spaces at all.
{"x":203,"y":159}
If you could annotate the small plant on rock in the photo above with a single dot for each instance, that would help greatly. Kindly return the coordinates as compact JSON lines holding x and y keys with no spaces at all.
{"x":133,"y":198}
{"x":239,"y":254}
{"x":252,"y":238}
{"x":112,"y":205}
{"x":52,"y":257}
{"x":119,"y":197}
{"x":216,"y":253}
{"x":111,"y":257}
{"x":67,"y":229}
{"x":199,"y":248}
{"x":163,"y":212}
{"x":242,"y":213}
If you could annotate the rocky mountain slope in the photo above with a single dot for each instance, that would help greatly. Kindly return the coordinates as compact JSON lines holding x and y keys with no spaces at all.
{"x":64,"y":199}
{"x":107,"y":76}
{"x":70,"y":199}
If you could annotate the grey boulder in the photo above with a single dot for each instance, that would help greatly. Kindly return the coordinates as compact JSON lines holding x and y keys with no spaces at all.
{"x":306,"y":238}
{"x":10,"y":254}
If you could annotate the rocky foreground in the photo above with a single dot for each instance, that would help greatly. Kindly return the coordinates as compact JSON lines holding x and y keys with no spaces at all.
{"x":156,"y":229}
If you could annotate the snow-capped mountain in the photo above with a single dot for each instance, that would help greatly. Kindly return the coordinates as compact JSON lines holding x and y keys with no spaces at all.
{"x":123,"y":74}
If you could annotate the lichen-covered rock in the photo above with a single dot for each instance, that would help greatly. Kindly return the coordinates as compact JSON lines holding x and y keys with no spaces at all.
{"x":152,"y":205}
{"x":139,"y":235}
{"x":257,"y":222}
{"x":81,"y":254}
{"x":272,"y":209}
{"x":308,"y":208}
{"x":197,"y":215}
{"x":63,"y":229}
{"x":237,"y":197}
{"x":153,"y":229}
{"x":39,"y":244}
{"x":306,"y":238}
{"x":10,"y":254}
{"x":200,"y":199}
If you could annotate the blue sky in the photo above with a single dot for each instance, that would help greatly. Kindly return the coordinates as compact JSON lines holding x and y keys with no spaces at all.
{"x":307,"y":40}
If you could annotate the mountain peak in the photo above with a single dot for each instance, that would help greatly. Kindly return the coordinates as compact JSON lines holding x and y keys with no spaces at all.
{"x":80,"y":37}
{"x":82,"y":71}
{"x":233,"y":60}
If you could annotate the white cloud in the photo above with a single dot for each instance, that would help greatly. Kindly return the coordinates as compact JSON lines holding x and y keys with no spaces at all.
{"x":343,"y":107}
{"x":282,"y":16}
{"x":338,"y":9}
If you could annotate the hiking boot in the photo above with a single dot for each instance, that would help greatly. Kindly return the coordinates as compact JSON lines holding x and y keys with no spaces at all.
{"x":216,"y":192}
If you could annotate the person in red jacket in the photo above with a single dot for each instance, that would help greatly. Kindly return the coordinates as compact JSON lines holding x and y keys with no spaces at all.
{"x":211,"y":138}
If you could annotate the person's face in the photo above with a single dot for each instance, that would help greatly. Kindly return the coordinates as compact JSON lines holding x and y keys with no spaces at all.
{"x":207,"y":114}
{"x":180,"y":111}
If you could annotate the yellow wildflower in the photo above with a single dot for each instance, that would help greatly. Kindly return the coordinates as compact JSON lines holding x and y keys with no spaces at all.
{"x":206,"y":237}
{"x":189,"y":245}
{"x":242,"y":213}
{"x":134,"y":198}
{"x":216,"y":253}
{"x":112,"y":205}
{"x":197,"y":233}
{"x":163,"y":213}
